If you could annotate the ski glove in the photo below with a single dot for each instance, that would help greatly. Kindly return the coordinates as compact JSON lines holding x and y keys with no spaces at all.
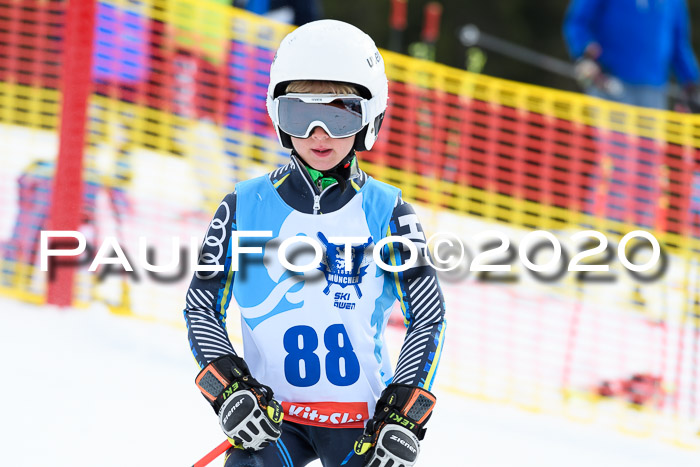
{"x":248,"y":414}
{"x":590,"y":74}
{"x":391,"y":437}
{"x":690,"y":101}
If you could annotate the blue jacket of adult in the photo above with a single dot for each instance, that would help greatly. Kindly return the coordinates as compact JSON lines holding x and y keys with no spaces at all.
{"x":304,"y":11}
{"x":641,"y":40}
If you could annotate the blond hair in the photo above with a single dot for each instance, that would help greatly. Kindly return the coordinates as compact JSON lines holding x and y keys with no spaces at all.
{"x":321,"y":87}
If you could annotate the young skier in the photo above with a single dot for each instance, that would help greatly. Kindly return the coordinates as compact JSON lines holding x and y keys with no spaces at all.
{"x":316,"y":337}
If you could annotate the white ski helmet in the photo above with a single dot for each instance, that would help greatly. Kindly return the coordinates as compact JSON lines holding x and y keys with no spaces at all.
{"x":330,"y":50}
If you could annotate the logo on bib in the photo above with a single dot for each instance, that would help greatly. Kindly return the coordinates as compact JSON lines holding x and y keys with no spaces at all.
{"x":339,"y":301}
{"x":328,"y":414}
{"x":333,"y":265}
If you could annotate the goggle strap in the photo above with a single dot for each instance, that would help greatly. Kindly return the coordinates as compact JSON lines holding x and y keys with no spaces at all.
{"x":320,"y":98}
{"x":371,"y":107}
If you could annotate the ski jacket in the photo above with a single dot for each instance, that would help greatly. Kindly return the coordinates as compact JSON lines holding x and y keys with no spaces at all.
{"x":317,"y":337}
{"x":642,"y":41}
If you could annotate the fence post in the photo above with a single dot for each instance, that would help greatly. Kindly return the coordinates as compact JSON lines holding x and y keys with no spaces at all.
{"x":67,"y":192}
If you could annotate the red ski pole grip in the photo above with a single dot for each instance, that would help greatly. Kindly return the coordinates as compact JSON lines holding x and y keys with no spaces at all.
{"x":431,"y":22}
{"x":216,"y":452}
{"x":398,"y":14}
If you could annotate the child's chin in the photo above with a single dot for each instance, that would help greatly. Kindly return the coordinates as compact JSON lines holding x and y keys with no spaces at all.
{"x":321,"y":165}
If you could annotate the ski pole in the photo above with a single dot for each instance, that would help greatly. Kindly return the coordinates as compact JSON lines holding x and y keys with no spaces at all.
{"x":397,"y":24}
{"x":216,"y":452}
{"x":431,"y":27}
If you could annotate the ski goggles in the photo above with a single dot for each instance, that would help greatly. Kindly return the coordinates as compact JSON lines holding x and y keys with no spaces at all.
{"x":339,"y":115}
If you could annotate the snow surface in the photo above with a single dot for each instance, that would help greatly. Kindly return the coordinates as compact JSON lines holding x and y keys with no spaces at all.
{"x":90,"y":388}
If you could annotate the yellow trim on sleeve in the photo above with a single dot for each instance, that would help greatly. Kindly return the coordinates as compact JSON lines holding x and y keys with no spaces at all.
{"x":396,"y":278}
{"x":226,"y":299}
{"x":436,"y":358}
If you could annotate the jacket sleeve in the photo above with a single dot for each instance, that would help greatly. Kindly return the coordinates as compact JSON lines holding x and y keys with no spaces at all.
{"x":209,"y":293}
{"x":683,"y":61}
{"x":578,"y":25}
{"x":422,"y":303}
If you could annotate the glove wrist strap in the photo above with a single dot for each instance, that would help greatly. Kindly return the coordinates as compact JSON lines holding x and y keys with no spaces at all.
{"x":226,"y":375}
{"x":404,"y":405}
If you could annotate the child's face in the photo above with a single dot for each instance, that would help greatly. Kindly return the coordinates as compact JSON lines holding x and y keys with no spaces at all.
{"x":321,"y":151}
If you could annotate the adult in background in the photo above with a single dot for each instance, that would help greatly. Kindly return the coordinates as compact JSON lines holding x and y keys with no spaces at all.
{"x":295,"y":12}
{"x":626,"y":49}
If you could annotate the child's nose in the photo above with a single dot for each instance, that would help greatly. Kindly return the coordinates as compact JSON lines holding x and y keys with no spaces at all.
{"x":319,"y":133}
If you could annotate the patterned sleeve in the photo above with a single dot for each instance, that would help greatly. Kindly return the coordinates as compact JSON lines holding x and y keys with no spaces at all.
{"x":210,"y":292}
{"x":422,"y":303}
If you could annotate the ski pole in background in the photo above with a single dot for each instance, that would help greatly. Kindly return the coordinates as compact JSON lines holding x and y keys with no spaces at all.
{"x":429,"y":34}
{"x":213,"y":454}
{"x":397,"y":24}
{"x":431,"y":27}
{"x":470,"y":36}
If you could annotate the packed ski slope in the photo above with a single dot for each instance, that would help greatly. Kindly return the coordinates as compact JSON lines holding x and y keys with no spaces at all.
{"x":89,"y":388}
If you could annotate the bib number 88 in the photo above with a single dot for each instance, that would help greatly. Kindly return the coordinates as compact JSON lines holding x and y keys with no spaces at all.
{"x":302,"y":367}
